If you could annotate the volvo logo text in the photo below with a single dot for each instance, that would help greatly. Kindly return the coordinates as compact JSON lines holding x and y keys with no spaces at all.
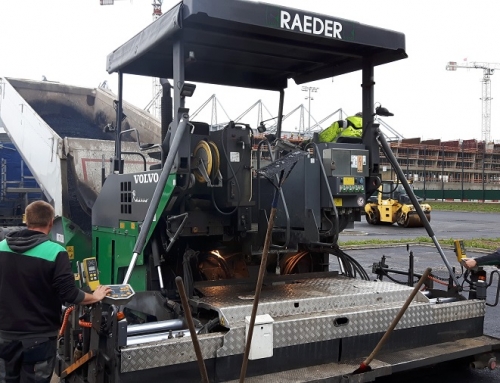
{"x":146,"y":178}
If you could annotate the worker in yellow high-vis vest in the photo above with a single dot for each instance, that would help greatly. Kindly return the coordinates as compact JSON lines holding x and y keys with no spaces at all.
{"x":350,"y":127}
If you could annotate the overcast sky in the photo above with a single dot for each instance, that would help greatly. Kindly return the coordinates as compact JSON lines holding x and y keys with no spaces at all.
{"x":68,"y":41}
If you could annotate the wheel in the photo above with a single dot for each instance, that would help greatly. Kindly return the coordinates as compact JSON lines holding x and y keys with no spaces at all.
{"x":373,"y":216}
{"x":402,"y":219}
{"x":414,"y":220}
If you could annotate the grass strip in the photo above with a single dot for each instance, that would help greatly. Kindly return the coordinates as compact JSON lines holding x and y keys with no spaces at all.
{"x":475,"y":243}
{"x":465,"y":206}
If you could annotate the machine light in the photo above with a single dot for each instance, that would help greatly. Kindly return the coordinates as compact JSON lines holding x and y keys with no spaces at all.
{"x":383,"y":112}
{"x":187,"y":89}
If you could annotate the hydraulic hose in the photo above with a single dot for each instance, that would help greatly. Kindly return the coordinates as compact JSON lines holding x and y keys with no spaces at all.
{"x":330,"y":194}
{"x":282,"y":196}
{"x":85,"y":324}
{"x":68,"y":311}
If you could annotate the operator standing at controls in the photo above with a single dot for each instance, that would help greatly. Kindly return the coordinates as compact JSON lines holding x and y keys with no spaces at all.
{"x":35,"y":280}
{"x":492,"y":259}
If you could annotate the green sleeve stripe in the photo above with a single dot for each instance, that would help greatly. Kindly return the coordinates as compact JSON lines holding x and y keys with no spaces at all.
{"x":47,"y":250}
{"x":4,"y":247}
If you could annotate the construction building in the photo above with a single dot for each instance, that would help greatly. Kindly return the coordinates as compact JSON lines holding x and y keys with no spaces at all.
{"x":467,"y":166}
{"x":458,"y":169}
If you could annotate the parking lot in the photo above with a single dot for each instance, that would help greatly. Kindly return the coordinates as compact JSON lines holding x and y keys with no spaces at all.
{"x":456,"y":225}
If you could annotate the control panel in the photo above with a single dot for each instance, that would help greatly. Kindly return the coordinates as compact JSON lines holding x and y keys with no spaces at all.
{"x":352,"y":185}
{"x":90,"y":273}
{"x":460,"y":250}
{"x":120,"y":294}
{"x":347,"y":171}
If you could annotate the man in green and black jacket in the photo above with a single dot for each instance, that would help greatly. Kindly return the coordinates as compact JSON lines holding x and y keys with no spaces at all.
{"x":35,"y":281}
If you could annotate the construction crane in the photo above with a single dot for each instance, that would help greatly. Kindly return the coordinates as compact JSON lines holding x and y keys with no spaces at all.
{"x":154,"y":106}
{"x":488,"y":71}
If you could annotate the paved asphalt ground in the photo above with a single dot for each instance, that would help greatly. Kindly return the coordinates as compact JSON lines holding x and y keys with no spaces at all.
{"x":456,"y":225}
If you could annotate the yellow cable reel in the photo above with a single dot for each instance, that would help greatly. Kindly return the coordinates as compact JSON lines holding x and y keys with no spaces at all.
{"x":207,"y":153}
{"x":216,"y":160}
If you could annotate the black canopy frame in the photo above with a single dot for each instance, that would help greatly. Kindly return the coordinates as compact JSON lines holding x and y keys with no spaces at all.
{"x":255,"y":45}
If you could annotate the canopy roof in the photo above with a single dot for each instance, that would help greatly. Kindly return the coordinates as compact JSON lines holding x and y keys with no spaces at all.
{"x":254,"y":45}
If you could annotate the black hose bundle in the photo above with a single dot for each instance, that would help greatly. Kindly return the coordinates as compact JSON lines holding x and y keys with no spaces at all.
{"x":187,"y":270}
{"x":352,"y":268}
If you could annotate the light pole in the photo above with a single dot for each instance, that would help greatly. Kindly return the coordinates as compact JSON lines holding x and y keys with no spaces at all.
{"x":309,"y":90}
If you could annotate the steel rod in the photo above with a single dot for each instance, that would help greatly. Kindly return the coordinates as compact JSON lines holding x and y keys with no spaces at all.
{"x":395,"y":321}
{"x":192,"y":330}
{"x":392,"y":159}
{"x":155,"y":200}
{"x":258,"y":287}
{"x":144,"y":328}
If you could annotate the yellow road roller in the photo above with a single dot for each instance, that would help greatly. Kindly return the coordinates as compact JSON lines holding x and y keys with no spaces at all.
{"x":391,"y":204}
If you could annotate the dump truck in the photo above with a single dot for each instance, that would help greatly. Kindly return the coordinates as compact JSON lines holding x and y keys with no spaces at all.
{"x":391,"y":204}
{"x":218,"y":249}
{"x":65,"y":135}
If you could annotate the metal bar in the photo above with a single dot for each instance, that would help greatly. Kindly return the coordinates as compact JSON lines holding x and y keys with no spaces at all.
{"x":138,"y":154}
{"x":224,"y":110}
{"x":285,"y":208}
{"x":408,"y":162}
{"x":395,"y":321}
{"x":157,"y":261}
{"x":247,"y":111}
{"x":118,"y":144}
{"x":411,"y":269}
{"x":192,"y":330}
{"x":145,"y":328}
{"x":482,"y":176}
{"x":178,"y":69}
{"x":23,"y":190}
{"x":155,"y":200}
{"x":392,"y":159}
{"x":80,"y":362}
{"x":326,"y":118}
{"x":369,"y":131}
{"x":330,"y":194}
{"x":425,"y":170}
{"x":258,"y":287}
{"x":442,"y":173}
{"x":280,"y":113}
{"x":462,"y":178}
{"x":197,"y":111}
{"x":158,"y":336}
{"x":178,"y":231}
{"x":3,"y":179}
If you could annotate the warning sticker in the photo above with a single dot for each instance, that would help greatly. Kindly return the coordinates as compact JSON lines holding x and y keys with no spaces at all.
{"x":234,"y":156}
{"x":358,"y":162}
{"x":71,"y":252}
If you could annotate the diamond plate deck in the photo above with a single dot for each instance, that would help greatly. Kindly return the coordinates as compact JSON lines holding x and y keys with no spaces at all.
{"x":304,"y":312}
{"x":302,"y":297}
{"x":301,"y":329}
{"x":168,"y":352}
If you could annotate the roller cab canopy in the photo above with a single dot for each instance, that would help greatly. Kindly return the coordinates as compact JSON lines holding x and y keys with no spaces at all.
{"x":254,"y":45}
